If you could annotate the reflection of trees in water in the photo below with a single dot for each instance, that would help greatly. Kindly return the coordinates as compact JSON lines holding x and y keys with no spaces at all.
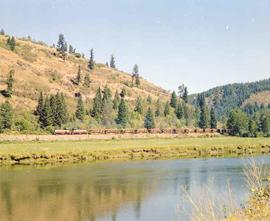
{"x":81,"y":198}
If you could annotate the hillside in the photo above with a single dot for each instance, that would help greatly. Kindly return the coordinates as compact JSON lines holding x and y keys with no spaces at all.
{"x":38,"y":68}
{"x":227,"y":97}
{"x":259,"y":98}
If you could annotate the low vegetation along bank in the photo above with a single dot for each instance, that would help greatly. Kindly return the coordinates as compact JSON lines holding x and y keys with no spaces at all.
{"x":129,"y":149}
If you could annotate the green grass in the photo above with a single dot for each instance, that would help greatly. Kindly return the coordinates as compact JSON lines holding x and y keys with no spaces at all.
{"x":122,"y":144}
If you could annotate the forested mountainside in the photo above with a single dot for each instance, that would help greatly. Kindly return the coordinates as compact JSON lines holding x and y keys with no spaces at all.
{"x":43,"y":88}
{"x":238,"y":95}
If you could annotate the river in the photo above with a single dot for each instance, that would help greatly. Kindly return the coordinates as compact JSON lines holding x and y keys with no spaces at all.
{"x":124,"y":191}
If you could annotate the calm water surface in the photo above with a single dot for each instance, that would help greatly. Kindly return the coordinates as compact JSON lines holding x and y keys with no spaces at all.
{"x":125,"y":191}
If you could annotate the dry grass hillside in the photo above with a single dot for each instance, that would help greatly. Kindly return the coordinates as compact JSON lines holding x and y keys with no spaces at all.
{"x":38,"y":68}
{"x":259,"y":98}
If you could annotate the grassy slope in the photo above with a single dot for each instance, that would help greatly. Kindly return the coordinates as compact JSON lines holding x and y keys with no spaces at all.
{"x":260,"y":98}
{"x":37,"y":68}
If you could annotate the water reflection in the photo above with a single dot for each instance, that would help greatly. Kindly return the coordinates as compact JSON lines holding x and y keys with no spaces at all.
{"x":144,"y":190}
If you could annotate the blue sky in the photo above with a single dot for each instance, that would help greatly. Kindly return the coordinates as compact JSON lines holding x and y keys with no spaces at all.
{"x":201,"y":43}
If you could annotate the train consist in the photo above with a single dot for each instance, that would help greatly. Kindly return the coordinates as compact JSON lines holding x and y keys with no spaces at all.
{"x":138,"y":131}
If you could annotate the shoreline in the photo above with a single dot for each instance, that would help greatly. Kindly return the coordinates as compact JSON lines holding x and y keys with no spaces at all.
{"x":42,"y":152}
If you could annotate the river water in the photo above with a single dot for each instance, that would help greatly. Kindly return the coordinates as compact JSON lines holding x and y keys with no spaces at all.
{"x":124,"y":191}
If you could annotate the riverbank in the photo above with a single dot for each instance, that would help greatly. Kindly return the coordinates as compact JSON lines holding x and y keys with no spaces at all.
{"x":32,"y":152}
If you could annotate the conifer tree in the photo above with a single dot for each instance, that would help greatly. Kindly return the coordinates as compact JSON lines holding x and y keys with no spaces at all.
{"x":167,"y":109}
{"x":53,"y":106}
{"x":97,"y":105}
{"x":107,"y":94}
{"x":12,"y":43}
{"x":87,"y":80}
{"x":91,"y":64}
{"x":78,"y":76}
{"x":203,"y":112}
{"x":80,"y":109}
{"x":61,"y":44}
{"x":71,"y":50}
{"x":107,"y":113}
{"x":2,"y":32}
{"x":173,"y":102}
{"x":6,"y":116}
{"x":149,"y":121}
{"x":112,"y":62}
{"x":47,"y":116}
{"x":61,"y":109}
{"x":107,"y":65}
{"x":179,"y":111}
{"x":135,"y":75}
{"x":139,"y":107}
{"x":213,"y":120}
{"x":158,"y":108}
{"x":116,"y":100}
{"x":183,"y":93}
{"x":122,"y":117}
{"x":9,"y":82}
{"x":40,"y":106}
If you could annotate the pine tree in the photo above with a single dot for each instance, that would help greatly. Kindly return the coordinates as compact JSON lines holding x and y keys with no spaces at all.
{"x":61,"y":44}
{"x":158,"y":108}
{"x":12,"y":43}
{"x":91,"y":64}
{"x":6,"y":116}
{"x":87,"y":80}
{"x":122,"y":117}
{"x":97,"y":105}
{"x":71,"y":50}
{"x":107,"y":113}
{"x":183,"y":93}
{"x":107,"y":94}
{"x":135,"y":75}
{"x":9,"y":82}
{"x":116,"y":100}
{"x":149,"y":121}
{"x":78,"y":76}
{"x":167,"y":109}
{"x":47,"y":116}
{"x":40,"y":106}
{"x":107,"y":65}
{"x":139,"y":107}
{"x":179,"y":111}
{"x":203,"y":122}
{"x":112,"y":62}
{"x":173,"y":102}
{"x":80,"y":109}
{"x":53,"y":106}
{"x":2,"y":32}
{"x":213,"y":120}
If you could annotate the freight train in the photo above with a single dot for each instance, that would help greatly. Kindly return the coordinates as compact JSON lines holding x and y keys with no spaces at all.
{"x":138,"y":131}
